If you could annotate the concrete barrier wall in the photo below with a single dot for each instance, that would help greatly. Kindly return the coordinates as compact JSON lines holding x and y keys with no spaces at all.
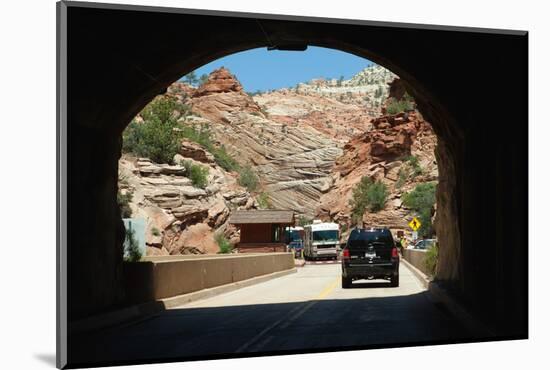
{"x":416,"y":258}
{"x":167,"y":276}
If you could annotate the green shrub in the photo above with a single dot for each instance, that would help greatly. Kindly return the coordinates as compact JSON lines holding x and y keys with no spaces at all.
{"x":224,"y":244}
{"x":224,"y":160}
{"x":422,"y":200}
{"x":263,"y":200}
{"x":415,"y":165}
{"x":155,"y":137}
{"x":191,"y":78}
{"x":430,"y":259}
{"x":202,"y":135}
{"x":123,"y":201}
{"x":410,"y":167}
{"x":368,"y":195}
{"x":196,"y":173}
{"x":397,"y":106}
{"x":403,"y":175}
{"x":248,"y":178}
{"x":203,"y":79}
{"x":132,"y":252}
{"x":376,"y":196}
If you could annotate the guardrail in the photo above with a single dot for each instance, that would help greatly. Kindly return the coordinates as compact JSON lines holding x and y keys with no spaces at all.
{"x":416,"y":258}
{"x":161,"y":277}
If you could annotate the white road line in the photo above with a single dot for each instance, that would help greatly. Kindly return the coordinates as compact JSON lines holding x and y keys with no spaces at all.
{"x":260,"y":334}
{"x":298,"y":314}
{"x":301,"y":309}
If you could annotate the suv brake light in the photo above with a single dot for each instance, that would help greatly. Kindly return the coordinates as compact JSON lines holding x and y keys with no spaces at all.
{"x":394,"y":253}
{"x":345,"y":254}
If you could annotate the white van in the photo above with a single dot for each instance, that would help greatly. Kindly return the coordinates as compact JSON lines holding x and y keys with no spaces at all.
{"x":321,"y":240}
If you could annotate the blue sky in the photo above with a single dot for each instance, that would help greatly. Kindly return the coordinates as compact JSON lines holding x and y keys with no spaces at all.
{"x":259,"y":69}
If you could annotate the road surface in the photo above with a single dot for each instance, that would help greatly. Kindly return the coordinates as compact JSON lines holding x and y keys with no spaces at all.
{"x":296,"y":312}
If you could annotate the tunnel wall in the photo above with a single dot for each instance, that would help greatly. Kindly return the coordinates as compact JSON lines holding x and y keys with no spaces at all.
{"x":470,"y":85}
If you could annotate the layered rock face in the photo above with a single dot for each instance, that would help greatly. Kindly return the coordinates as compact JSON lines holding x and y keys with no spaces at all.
{"x":333,"y":119}
{"x":181,"y":218}
{"x":367,"y":89}
{"x":309,"y":145}
{"x":381,"y":153}
{"x":221,"y":97}
{"x":293,"y":160}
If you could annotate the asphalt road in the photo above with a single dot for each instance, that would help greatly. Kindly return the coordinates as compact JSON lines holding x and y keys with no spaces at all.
{"x":296,"y":312}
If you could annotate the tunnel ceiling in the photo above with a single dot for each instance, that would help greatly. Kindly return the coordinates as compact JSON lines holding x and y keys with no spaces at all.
{"x":152,"y":50}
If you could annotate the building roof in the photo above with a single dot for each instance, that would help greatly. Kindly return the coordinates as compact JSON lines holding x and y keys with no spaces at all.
{"x":262,"y":217}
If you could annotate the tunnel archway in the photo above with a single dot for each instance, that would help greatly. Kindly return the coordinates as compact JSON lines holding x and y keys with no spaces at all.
{"x":117,"y":68}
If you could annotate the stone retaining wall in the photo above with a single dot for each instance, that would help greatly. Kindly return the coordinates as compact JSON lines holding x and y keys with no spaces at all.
{"x":416,"y":258}
{"x":169,"y":276}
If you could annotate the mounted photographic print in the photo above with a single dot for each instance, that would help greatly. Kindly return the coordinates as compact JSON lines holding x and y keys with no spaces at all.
{"x":235,"y":184}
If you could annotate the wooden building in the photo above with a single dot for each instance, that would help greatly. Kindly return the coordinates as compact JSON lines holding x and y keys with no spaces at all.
{"x":262,"y":230}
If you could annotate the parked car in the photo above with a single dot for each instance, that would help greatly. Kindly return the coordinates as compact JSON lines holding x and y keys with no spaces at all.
{"x":296,"y":246}
{"x":370,"y":254}
{"x":425,"y":244}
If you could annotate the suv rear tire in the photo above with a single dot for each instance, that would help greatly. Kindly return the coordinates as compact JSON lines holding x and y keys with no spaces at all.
{"x":395,"y":280}
{"x":346,"y":283}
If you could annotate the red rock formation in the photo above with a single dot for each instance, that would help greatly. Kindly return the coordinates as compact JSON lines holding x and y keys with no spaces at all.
{"x":195,"y":151}
{"x":379,"y":154}
{"x":222,"y":95}
{"x":180,"y":91}
{"x":219,"y":81}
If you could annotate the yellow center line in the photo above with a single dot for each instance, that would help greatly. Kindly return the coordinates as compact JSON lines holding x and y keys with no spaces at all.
{"x":328,"y":289}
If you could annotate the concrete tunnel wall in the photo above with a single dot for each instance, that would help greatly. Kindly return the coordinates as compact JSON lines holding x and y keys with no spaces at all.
{"x":463,"y":82}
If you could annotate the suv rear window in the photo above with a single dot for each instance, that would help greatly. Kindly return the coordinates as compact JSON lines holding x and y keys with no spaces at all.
{"x":362,"y":237}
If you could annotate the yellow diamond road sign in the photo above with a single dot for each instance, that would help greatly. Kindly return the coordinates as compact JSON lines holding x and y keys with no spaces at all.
{"x":415,"y":224}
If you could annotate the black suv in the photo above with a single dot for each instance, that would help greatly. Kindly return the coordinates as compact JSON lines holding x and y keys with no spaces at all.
{"x":370,"y":254}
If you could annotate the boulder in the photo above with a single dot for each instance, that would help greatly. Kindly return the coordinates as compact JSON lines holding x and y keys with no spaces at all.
{"x":213,"y":189}
{"x":157,"y":221}
{"x":149,"y":170}
{"x":250,"y":203}
{"x":190,"y":214}
{"x":165,"y":197}
{"x":200,"y":237}
{"x":393,"y":173}
{"x":240,"y":200}
{"x":218,"y":214}
{"x":172,"y":170}
{"x":192,"y":192}
{"x":377,"y":174}
{"x":195,"y":151}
